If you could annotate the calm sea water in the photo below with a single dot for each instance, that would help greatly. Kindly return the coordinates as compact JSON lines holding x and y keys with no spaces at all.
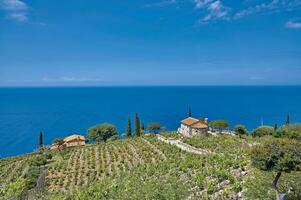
{"x":59,"y":112}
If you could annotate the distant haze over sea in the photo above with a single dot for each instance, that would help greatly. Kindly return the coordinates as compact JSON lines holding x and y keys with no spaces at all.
{"x":59,"y":112}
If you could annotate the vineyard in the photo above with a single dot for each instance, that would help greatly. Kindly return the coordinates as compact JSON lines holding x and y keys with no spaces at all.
{"x":14,"y":168}
{"x":150,"y":169}
{"x":146,"y":168}
{"x":84,"y":166}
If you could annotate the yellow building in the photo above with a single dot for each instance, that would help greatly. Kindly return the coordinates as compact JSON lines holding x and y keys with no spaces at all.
{"x":74,"y":140}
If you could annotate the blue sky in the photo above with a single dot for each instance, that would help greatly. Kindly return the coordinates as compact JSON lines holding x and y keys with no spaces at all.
{"x":150,"y":42}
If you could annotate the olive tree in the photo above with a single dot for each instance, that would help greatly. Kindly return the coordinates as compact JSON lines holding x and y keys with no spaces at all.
{"x":219,"y":124}
{"x":101,"y":132}
{"x":277,"y":155}
{"x":263,"y":131}
{"x":240,"y":130}
{"x":58,"y":142}
{"x":154,"y":127}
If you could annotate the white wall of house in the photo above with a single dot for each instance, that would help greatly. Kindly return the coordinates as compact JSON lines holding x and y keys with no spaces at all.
{"x":75,"y":143}
{"x":185,"y":130}
{"x":189,"y":132}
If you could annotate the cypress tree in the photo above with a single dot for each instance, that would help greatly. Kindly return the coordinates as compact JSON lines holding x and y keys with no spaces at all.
{"x":137,"y":125}
{"x":41,"y":139}
{"x":287,"y":123}
{"x":129,"y":128}
{"x":189,"y":112}
{"x":275,"y":127}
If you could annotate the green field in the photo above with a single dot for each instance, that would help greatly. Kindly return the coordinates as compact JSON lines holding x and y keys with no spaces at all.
{"x":146,"y":168}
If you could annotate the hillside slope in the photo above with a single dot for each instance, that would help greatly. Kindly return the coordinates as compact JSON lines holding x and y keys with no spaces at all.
{"x":146,"y":168}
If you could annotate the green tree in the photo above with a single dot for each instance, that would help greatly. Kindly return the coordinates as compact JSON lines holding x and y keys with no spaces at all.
{"x":240,"y":130}
{"x":41,"y":140}
{"x":129,"y":128}
{"x":101,"y":132}
{"x":137,"y":125}
{"x":219,"y":124}
{"x":275,"y":127}
{"x":263,"y":131}
{"x":287,"y":122}
{"x":277,"y":155}
{"x":154,"y":127}
{"x":58,"y":142}
{"x":189,"y":112}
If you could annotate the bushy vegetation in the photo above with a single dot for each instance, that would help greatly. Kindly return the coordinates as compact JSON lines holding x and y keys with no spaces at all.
{"x":154,"y":127}
{"x":102,"y":132}
{"x":20,"y":172}
{"x":219,"y":124}
{"x":292,"y":131}
{"x":263,"y":131}
{"x":240,"y":130}
{"x":278,"y":155}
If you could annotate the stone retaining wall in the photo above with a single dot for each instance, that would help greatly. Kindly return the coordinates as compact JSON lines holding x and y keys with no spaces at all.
{"x":183,"y":146}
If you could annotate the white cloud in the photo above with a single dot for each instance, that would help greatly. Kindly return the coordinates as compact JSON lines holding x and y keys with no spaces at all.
{"x":294,"y":24}
{"x":269,"y":6}
{"x":215,"y":10}
{"x":15,"y":9}
{"x":13,"y":5}
{"x":20,"y":17}
{"x":67,"y":79}
{"x":161,"y":3}
{"x":202,"y":3}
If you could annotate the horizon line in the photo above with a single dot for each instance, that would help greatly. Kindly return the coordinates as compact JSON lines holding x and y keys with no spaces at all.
{"x":90,"y":86}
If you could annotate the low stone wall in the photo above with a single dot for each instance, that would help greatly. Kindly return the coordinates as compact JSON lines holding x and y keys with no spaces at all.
{"x":183,"y":146}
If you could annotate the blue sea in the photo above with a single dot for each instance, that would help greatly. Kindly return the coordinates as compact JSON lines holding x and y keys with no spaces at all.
{"x":59,"y":112}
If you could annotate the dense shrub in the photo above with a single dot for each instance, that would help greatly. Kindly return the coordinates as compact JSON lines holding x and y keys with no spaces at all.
{"x":263,"y":131}
{"x":219,"y":124}
{"x":13,"y":189}
{"x":32,"y":176}
{"x":102,"y":132}
{"x":278,"y":155}
{"x":154,"y":127}
{"x":240,"y":130}
{"x":293,"y":131}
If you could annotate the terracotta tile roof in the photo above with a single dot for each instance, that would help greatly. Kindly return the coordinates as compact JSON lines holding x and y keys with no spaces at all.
{"x":200,"y":125}
{"x":195,"y":123}
{"x":74,"y":137}
{"x":189,"y":121}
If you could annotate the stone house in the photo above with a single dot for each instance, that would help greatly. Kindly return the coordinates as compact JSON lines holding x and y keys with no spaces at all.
{"x":74,"y":140}
{"x":192,"y":126}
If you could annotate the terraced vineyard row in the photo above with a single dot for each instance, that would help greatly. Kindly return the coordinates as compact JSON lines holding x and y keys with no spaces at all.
{"x":89,"y":164}
{"x":163,"y":171}
{"x":13,"y":168}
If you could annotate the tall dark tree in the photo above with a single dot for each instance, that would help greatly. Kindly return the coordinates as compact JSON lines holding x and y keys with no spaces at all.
{"x":41,"y":140}
{"x":137,"y":125}
{"x":129,"y":128}
{"x":189,"y":112}
{"x":275,"y":127}
{"x":287,"y":123}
